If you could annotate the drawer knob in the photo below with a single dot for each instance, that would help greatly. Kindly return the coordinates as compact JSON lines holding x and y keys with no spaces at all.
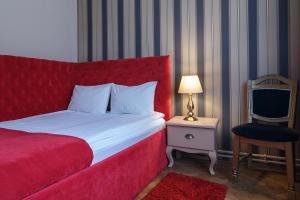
{"x":189,"y":136}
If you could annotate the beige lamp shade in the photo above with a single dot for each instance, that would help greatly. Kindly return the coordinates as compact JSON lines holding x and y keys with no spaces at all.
{"x":190,"y":85}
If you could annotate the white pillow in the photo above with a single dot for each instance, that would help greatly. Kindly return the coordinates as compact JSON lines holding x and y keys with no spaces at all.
{"x":133,"y":99}
{"x":90,"y":99}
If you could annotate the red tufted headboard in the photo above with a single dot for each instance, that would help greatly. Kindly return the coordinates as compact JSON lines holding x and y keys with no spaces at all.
{"x":30,"y":86}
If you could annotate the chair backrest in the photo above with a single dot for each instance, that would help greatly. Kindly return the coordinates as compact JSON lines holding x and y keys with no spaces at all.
{"x":272,"y":98}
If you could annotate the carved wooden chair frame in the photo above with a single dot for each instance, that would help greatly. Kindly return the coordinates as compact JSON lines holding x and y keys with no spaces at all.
{"x":269,"y":82}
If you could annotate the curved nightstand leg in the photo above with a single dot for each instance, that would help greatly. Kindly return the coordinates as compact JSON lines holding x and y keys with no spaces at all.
{"x":213,"y":159}
{"x":169,"y":155}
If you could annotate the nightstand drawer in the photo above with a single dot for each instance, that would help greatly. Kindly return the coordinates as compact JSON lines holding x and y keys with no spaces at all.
{"x":190,"y":137}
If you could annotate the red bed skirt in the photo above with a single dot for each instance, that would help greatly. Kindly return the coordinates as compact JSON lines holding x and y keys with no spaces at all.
{"x":119,"y":177}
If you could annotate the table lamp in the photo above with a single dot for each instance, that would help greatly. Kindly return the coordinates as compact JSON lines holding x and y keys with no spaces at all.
{"x":190,"y":85}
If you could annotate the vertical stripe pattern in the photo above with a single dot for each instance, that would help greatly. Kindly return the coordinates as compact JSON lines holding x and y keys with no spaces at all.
{"x":157,"y":40}
{"x":147,"y":28}
{"x":225,"y":73}
{"x":167,"y":39}
{"x":113,"y":29}
{"x":200,"y":52}
{"x":97,"y":33}
{"x":224,"y":42}
{"x":138,"y":29}
{"x":283,"y":38}
{"x":177,"y":53}
{"x":90,"y":29}
{"x":104,"y":29}
{"x":121,"y":28}
{"x":82,"y":31}
{"x":188,"y":46}
{"x":252,"y":18}
{"x":129,"y":29}
{"x":294,"y":39}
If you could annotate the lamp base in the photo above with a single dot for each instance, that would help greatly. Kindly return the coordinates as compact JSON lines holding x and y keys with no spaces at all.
{"x":190,"y":118}
{"x":190,"y":106}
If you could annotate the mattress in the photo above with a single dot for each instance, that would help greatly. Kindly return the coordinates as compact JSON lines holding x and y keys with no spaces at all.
{"x":107,"y":134}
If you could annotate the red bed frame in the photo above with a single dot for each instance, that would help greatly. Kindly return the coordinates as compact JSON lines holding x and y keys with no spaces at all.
{"x":30,"y":86}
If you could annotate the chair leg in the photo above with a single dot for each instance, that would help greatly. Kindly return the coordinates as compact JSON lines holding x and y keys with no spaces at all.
{"x":290,"y":167}
{"x":249,"y":151}
{"x":236,"y":157}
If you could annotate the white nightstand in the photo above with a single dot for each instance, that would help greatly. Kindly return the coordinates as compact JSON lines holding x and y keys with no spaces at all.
{"x":192,"y":137}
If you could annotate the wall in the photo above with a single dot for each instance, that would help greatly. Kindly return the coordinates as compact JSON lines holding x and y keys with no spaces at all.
{"x":39,"y":28}
{"x":225,"y":42}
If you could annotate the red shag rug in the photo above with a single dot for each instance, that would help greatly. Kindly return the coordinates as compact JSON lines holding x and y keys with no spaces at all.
{"x":180,"y":187}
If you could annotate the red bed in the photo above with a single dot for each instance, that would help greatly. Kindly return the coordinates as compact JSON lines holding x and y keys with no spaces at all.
{"x":34,"y":86}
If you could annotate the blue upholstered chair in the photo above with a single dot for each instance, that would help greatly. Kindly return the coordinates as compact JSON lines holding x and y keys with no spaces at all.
{"x":271,"y":109}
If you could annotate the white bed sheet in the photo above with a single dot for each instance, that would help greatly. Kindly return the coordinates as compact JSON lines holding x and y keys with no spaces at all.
{"x":107,"y":134}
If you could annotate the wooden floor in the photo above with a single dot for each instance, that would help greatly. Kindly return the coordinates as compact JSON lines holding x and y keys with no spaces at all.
{"x":254,"y":184}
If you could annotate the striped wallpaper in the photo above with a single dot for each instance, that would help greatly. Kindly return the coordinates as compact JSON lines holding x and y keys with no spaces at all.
{"x":225,"y":42}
